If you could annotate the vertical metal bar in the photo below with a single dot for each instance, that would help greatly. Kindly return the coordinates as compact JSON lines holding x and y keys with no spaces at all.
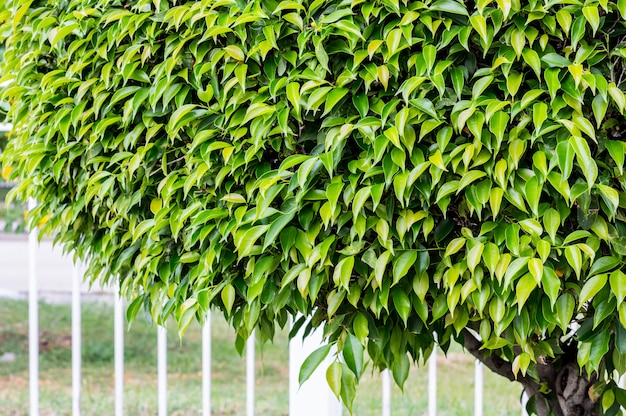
{"x":250,"y":345}
{"x":76,"y":340}
{"x":314,"y":397}
{"x":119,"y":353}
{"x":206,"y":366}
{"x":162,"y":370}
{"x":478,"y":388}
{"x":33,"y":318}
{"x":386,"y":393}
{"x":524,"y":401}
{"x":432,"y":383}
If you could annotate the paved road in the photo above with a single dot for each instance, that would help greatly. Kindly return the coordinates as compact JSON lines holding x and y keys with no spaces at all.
{"x":54,"y":271}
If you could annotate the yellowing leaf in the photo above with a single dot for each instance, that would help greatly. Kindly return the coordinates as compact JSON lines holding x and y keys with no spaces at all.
{"x":155,"y":205}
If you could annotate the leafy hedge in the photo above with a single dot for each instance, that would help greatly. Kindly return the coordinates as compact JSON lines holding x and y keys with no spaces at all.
{"x":394,"y":169}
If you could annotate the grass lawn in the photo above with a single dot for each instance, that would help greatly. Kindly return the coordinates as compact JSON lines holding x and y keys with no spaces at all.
{"x":455,"y":382}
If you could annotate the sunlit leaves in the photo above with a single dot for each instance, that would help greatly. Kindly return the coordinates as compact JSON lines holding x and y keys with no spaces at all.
{"x":389,"y":168}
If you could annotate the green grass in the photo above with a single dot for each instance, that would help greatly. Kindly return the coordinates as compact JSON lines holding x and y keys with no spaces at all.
{"x":455,"y":383}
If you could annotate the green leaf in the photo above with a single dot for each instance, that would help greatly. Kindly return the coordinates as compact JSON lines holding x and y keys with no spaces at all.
{"x":565,"y":158}
{"x":402,"y":304}
{"x":513,"y":82}
{"x":343,"y":272}
{"x":565,"y":310}
{"x":468,"y":178}
{"x":604,"y":264}
{"x":584,"y":125}
{"x":532,"y":190}
{"x":155,"y":205}
{"x":551,"y":284}
{"x":133,"y":308}
{"x":258,"y":110}
{"x":555,"y":60}
{"x":551,"y":76}
{"x":353,"y":353}
{"x":57,"y":34}
{"x":425,"y":105}
{"x":617,"y":150}
{"x":235,"y":52}
{"x":400,"y":369}
{"x":333,"y":98}
{"x":525,"y":285}
{"x":454,"y":246}
{"x":479,"y":23}
{"x":458,"y":81}
{"x":228,"y":297}
{"x":621,"y":5}
{"x":346,"y":26}
{"x":618,"y":285}
{"x":498,"y":125}
{"x":380,"y":267}
{"x":333,"y":377}
{"x":552,"y":222}
{"x":474,"y":255}
{"x":591,"y":288}
{"x":610,"y":197}
{"x":311,"y":363}
{"x":360,"y":327}
{"x":449,"y":6}
{"x":361,"y":103}
{"x":246,"y":239}
{"x":592,"y":15}
{"x":276,"y":227}
{"x":535,"y":267}
{"x":293,"y":95}
{"x":521,"y":363}
{"x":574,"y":258}
{"x":532,"y":59}
{"x":583,"y":156}
{"x":540,"y":114}
{"x":618,"y":97}
{"x":348,"y":387}
{"x":402,"y":264}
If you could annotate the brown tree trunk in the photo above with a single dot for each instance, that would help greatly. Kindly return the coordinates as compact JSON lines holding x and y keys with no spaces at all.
{"x":569,"y":395}
{"x":563,"y":390}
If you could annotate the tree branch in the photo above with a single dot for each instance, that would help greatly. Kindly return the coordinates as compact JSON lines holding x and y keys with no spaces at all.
{"x":492,"y":362}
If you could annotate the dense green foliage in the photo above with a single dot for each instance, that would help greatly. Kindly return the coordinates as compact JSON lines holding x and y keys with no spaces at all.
{"x":394,"y":169}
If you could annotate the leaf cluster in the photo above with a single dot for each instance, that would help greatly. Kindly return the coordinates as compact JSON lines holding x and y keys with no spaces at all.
{"x":398,"y":171}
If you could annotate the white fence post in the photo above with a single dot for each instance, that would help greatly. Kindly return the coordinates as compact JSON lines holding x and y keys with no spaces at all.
{"x":206,"y":366}
{"x":118,"y":314}
{"x":386,"y":402}
{"x":76,"y":340}
{"x":314,"y":398}
{"x":33,"y":318}
{"x":250,"y":376}
{"x":432,"y":383}
{"x":162,"y":370}
{"x":478,"y":388}
{"x":524,"y":401}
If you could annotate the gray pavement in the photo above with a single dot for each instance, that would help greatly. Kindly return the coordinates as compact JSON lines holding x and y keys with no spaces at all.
{"x":54,"y":270}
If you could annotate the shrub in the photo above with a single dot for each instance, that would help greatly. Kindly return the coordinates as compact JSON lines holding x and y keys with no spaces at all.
{"x":404,"y":173}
